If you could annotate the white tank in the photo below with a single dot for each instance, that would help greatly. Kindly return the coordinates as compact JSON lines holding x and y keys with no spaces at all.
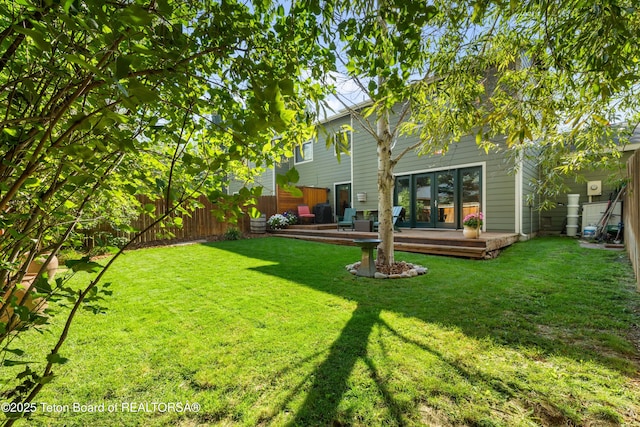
{"x":573,"y":208}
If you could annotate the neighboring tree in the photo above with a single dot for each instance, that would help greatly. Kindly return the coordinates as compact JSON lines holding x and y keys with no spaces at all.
{"x":556,"y":80}
{"x":537,"y":78}
{"x":102,"y":101}
{"x":386,"y":47}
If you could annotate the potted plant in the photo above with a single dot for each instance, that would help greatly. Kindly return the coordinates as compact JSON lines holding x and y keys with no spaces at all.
{"x":472,"y":224}
{"x":278,"y":222}
{"x":291,"y":216}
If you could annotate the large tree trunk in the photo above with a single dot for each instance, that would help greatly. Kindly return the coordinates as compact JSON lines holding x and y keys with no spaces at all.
{"x":385,"y":191}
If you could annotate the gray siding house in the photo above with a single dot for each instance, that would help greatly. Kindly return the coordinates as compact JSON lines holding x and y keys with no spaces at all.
{"x":435,"y":191}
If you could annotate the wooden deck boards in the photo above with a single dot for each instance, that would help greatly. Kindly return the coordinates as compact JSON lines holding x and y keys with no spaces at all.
{"x":427,"y":241}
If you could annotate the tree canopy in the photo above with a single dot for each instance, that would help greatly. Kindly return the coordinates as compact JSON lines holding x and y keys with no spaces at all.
{"x":101,"y":101}
{"x":536,"y":78}
{"x":104,"y":101}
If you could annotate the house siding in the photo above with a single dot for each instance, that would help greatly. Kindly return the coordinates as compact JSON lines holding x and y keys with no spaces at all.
{"x":266,"y":180}
{"x":325,"y":170}
{"x":502,"y":188}
{"x":360,"y":169}
{"x":530,"y":216}
{"x":553,"y":220}
{"x":365,"y":168}
{"x":498,"y":180}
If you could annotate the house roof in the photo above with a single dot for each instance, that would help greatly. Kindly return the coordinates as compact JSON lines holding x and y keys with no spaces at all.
{"x":345,"y":111}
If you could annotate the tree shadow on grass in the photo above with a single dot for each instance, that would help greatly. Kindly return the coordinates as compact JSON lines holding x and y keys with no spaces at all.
{"x":501,"y":317}
{"x":331,"y":377}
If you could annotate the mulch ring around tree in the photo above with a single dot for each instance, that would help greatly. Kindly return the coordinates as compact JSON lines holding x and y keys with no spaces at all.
{"x":398,"y":270}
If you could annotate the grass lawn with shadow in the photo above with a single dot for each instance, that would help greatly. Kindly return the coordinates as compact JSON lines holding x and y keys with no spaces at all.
{"x":276,"y":332}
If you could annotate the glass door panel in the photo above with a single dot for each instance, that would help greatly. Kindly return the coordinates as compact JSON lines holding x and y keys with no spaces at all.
{"x":403,"y":198}
{"x":343,"y":198}
{"x":471,"y":190}
{"x":423,"y":192}
{"x":445,"y":199}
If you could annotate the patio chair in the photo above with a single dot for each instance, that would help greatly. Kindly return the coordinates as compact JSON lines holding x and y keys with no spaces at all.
{"x":396,"y":212}
{"x":305,"y":214}
{"x":347,"y":219}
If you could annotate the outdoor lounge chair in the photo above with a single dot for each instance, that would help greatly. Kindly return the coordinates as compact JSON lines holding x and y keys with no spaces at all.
{"x":347,"y":219}
{"x":396,"y":212}
{"x":304,"y":214}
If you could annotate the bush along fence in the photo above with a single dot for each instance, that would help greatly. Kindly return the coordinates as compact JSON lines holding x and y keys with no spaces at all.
{"x":200,"y":223}
{"x":632,"y":214}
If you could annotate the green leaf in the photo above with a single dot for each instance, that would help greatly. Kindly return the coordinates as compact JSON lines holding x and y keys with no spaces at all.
{"x":292,"y":176}
{"x":35,"y":36}
{"x":75,"y":59}
{"x":11,"y":131}
{"x":66,"y":5}
{"x":287,"y":116}
{"x":142,"y":92}
{"x":42,"y":285}
{"x":601,"y":120}
{"x":123,"y":66}
{"x":254,"y":212}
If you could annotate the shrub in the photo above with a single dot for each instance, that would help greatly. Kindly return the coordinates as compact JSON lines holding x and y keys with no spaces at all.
{"x":291,"y":216}
{"x":232,"y":233}
{"x":278,"y":222}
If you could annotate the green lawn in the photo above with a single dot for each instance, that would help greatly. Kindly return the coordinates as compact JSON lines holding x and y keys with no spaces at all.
{"x":276,"y":332}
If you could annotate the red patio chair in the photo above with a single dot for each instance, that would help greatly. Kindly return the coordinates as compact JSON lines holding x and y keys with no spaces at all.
{"x":304,"y":214}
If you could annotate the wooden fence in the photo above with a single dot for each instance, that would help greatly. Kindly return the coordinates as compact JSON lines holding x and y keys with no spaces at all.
{"x":632,"y":214}
{"x":202,"y":224}
{"x":311,"y":196}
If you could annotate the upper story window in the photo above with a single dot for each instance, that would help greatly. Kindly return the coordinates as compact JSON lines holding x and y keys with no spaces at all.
{"x":304,"y":153}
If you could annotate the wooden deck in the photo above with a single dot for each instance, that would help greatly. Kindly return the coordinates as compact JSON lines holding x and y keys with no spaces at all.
{"x":426,"y":241}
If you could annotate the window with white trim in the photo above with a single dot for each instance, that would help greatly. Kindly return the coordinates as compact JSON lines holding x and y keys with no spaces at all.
{"x":304,"y":153}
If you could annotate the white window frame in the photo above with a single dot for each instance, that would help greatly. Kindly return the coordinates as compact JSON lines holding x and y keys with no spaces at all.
{"x":300,"y":153}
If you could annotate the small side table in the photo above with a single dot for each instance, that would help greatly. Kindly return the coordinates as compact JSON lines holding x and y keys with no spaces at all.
{"x":368,"y":264}
{"x":363,"y":225}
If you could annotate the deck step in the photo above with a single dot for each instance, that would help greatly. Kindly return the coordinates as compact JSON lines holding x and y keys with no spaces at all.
{"x":473,"y":251}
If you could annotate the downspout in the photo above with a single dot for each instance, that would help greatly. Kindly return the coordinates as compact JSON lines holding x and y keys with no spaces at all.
{"x":519,"y":198}
{"x":273,"y":180}
{"x":353,"y":152}
{"x":518,"y":202}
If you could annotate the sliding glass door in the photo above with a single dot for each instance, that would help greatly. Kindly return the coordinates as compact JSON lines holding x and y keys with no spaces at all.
{"x":446,"y":199}
{"x":438,"y":199}
{"x":423,"y":201}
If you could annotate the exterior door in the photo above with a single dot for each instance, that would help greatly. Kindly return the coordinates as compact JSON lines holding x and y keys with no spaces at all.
{"x":415,"y":194}
{"x":439,"y":199}
{"x":470,"y":180}
{"x":446,"y":209}
{"x":343,"y":198}
{"x":423,"y":202}
{"x":403,"y":197}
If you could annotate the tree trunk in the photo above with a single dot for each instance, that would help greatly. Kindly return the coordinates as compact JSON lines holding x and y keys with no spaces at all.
{"x":385,"y":191}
